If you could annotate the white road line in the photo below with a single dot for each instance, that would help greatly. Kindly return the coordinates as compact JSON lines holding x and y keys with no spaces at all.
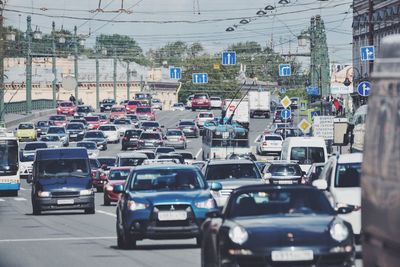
{"x":56,"y":239}
{"x":19,"y":199}
{"x":23,"y":189}
{"x":2,"y":200}
{"x":198,"y":153}
{"x":107,"y":213}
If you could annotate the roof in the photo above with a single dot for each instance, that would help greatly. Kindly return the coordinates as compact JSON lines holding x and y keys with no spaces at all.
{"x":260,"y":187}
{"x":167,"y":167}
{"x":350,"y":158}
{"x":229,"y":161}
{"x":121,"y":168}
{"x":61,"y":153}
{"x":283,"y":162}
{"x":132,"y":155}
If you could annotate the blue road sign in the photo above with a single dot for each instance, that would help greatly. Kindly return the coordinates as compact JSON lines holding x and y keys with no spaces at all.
{"x":285,"y":70}
{"x":229,"y":58}
{"x":315,"y":113}
{"x":367,"y":53}
{"x":364,"y":88}
{"x":199,"y":78}
{"x":175,"y":73}
{"x":286,"y":114}
{"x":283,"y":90}
{"x":311,"y":90}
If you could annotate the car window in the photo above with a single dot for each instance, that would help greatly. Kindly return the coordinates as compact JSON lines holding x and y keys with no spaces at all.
{"x":26,"y":126}
{"x":307,"y":155}
{"x":186,"y":123}
{"x":131,"y":161}
{"x":91,"y":119}
{"x":285,"y":170}
{"x":232,"y":171}
{"x":148,"y":136}
{"x":107,"y":128}
{"x":272,"y":138}
{"x":83,"y":109}
{"x":120,"y":174}
{"x":75,"y":126}
{"x":143,"y":110}
{"x":174,"y":133}
{"x":150,"y":124}
{"x":131,"y":133}
{"x":66,"y":168}
{"x":118,"y":109}
{"x":348,"y":175}
{"x":57,"y":118}
{"x":107,"y":161}
{"x":56,"y":130}
{"x":94,"y":164}
{"x":34,"y":146}
{"x":165,"y":149}
{"x":94,"y":135}
{"x":50,"y":138}
{"x":88,"y":145}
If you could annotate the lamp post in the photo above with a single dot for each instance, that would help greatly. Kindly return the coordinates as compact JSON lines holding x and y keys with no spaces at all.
{"x":76,"y":63}
{"x":54,"y":68}
{"x":97,"y":79}
{"x":115,"y":72}
{"x":28,"y":70}
{"x":1,"y":64}
{"x":128,"y":81}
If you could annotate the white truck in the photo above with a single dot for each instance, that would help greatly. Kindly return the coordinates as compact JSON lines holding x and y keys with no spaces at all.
{"x":260,"y":103}
{"x":241,"y":109}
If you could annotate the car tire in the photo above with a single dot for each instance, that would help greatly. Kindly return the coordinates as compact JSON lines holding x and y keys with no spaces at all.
{"x":123,"y":148}
{"x":124,"y":241}
{"x":106,"y":202}
{"x":90,"y":211}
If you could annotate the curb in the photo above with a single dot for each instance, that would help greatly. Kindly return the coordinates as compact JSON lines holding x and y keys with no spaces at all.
{"x":29,"y":117}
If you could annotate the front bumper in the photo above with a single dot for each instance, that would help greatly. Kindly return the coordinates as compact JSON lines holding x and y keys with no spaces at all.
{"x":75,"y":137}
{"x":175,"y":144}
{"x":52,"y":203}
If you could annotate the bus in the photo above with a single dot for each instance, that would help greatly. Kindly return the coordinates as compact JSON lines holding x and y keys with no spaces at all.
{"x":9,"y":165}
{"x":221,"y":140}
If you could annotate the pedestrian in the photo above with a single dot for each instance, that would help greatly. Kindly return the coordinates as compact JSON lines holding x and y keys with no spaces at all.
{"x":337,"y":105}
{"x":72,"y":98}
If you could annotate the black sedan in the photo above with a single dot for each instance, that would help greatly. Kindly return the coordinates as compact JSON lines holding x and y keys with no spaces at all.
{"x":277,"y":225}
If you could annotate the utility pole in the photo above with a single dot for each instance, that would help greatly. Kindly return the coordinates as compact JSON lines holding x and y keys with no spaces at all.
{"x":76,"y":63}
{"x":370,"y":32}
{"x":128,"y":81}
{"x":1,"y":64}
{"x":54,"y":68}
{"x":115,"y":72}
{"x":29,"y":67}
{"x":97,"y":79}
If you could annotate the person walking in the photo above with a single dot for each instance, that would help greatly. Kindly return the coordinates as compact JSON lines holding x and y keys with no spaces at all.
{"x":337,"y":105}
{"x":72,"y":98}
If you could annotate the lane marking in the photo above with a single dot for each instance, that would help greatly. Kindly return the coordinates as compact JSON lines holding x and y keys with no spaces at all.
{"x":107,"y":213}
{"x":19,"y":199}
{"x":198,"y":153}
{"x":2,"y":200}
{"x":57,"y":239}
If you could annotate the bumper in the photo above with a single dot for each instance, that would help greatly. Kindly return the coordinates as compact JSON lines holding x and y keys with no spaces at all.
{"x":175,"y":144}
{"x":206,"y":106}
{"x":84,"y":202}
{"x":7,"y":187}
{"x":76,"y":137}
{"x":271,"y":149}
{"x":189,"y":133}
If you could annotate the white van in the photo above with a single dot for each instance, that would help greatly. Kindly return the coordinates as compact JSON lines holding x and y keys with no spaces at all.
{"x":304,"y":150}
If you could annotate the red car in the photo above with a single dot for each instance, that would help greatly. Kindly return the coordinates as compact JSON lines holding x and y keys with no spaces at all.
{"x":117,"y":111}
{"x":132,"y":105}
{"x":145,"y":113}
{"x":201,"y":100}
{"x":95,"y":169}
{"x":67,"y":108}
{"x":93,"y":122}
{"x":103,"y":119}
{"x":58,"y":120}
{"x":116,"y":176}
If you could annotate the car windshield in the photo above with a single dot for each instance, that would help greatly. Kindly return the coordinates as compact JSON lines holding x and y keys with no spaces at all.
{"x":119,"y":174}
{"x":173,"y":133}
{"x":307,"y":155}
{"x":26,"y":157}
{"x":50,"y":138}
{"x":206,"y":115}
{"x":56,"y":130}
{"x":63,"y":168}
{"x":83,"y":109}
{"x":134,"y":161}
{"x":149,"y":136}
{"x":66,"y":104}
{"x":118,"y":109}
{"x":288,"y":202}
{"x":34,"y":146}
{"x":88,"y":145}
{"x":150,"y":124}
{"x":143,"y":110}
{"x":232,"y":171}
{"x":57,"y":118}
{"x":200,"y":97}
{"x":167,"y":180}
{"x":75,"y":126}
{"x":94,"y":164}
{"x":107,"y":128}
{"x":92,"y":118}
{"x":186,"y":123}
{"x":165,"y":150}
{"x":132,"y":133}
{"x":26,"y":126}
{"x":285,"y":170}
{"x":93,"y":134}
{"x":122,"y":122}
{"x":187,"y":155}
{"x":348,"y":175}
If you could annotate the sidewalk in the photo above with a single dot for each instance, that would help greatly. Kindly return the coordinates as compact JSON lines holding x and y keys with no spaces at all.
{"x":13,"y":119}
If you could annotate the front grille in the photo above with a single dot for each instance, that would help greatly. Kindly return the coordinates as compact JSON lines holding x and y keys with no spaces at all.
{"x":65,"y":194}
{"x":172,"y":207}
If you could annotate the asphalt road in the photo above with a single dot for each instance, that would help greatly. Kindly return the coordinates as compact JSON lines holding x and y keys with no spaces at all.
{"x":72,"y":238}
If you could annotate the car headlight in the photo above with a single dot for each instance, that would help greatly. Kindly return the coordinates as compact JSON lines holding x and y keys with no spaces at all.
{"x":44,"y":194}
{"x":63,"y":138}
{"x":133,"y":205}
{"x":81,"y":133}
{"x":206,"y":204}
{"x":109,"y":188}
{"x":339,"y":231}
{"x":86,"y":192}
{"x":238,"y":234}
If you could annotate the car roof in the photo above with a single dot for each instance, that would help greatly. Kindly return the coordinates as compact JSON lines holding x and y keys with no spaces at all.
{"x":132,"y":155}
{"x":166,"y":166}
{"x":282,"y":162}
{"x":229,"y":161}
{"x":26,"y":123}
{"x":350,"y":158}
{"x":260,"y":187}
{"x":120,"y":168}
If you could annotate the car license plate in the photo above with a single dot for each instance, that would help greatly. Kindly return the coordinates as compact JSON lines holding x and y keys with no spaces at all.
{"x":296,"y":255}
{"x":74,"y":135}
{"x":175,"y":139}
{"x":172,"y":215}
{"x":108,"y":107}
{"x":65,"y":201}
{"x":65,"y":112}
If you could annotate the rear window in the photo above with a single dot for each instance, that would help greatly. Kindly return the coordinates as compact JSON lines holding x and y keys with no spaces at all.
{"x":165,"y":149}
{"x":232,"y":171}
{"x":66,"y":104}
{"x":122,"y":122}
{"x":285,"y":170}
{"x":94,"y":164}
{"x":107,"y":161}
{"x":50,"y":138}
{"x":75,"y":126}
{"x":200,"y":97}
{"x":42,"y":124}
{"x":174,"y":133}
{"x":136,"y":103}
{"x":34,"y":146}
{"x":308,"y":155}
{"x":83,"y":109}
{"x":149,"y":136}
{"x":187,"y":155}
{"x":186,"y":123}
{"x":119,"y":174}
{"x":57,"y":118}
{"x":107,"y":128}
{"x":143,"y":110}
{"x":272,"y":138}
{"x":131,"y":161}
{"x":56,"y":130}
{"x":348,"y":175}
{"x":150,"y":124}
{"x":94,"y":118}
{"x":206,"y":115}
{"x":26,"y":126}
{"x":118,"y":110}
{"x":131,"y":133}
{"x":93,"y":134}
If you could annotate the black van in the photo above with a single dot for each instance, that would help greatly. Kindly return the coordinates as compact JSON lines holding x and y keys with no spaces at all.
{"x":61,"y":180}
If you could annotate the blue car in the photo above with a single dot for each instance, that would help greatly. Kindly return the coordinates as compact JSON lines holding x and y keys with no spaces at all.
{"x":163,"y":202}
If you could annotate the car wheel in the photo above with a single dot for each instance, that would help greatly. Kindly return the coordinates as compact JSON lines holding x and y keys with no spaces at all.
{"x":106,"y":202}
{"x":90,"y":211}
{"x":124,"y":241}
{"x":123,"y":148}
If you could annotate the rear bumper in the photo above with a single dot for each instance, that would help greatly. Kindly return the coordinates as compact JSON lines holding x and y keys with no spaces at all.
{"x":201,"y":106}
{"x":174,"y":144}
{"x":7,"y":187}
{"x":86,"y":202}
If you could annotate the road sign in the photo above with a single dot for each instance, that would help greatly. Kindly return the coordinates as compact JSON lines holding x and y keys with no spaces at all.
{"x":199,"y":78}
{"x":364,"y":88}
{"x":285,"y":70}
{"x":367,"y":53}
{"x":216,"y":66}
{"x":312,"y":90}
{"x":286,"y":114}
{"x":304,"y":126}
{"x":286,"y":102}
{"x":175,"y":73}
{"x":229,"y":58}
{"x":283,"y":90}
{"x":232,"y":107}
{"x":315,"y":113}
{"x":69,"y":83}
{"x":323,"y":127}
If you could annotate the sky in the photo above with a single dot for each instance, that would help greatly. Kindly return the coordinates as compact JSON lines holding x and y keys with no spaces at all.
{"x":153,"y":23}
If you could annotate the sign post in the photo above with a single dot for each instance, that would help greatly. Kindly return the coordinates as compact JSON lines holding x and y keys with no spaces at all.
{"x":286,"y":114}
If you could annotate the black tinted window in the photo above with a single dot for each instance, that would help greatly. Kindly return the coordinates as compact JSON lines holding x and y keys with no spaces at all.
{"x":232,"y":171}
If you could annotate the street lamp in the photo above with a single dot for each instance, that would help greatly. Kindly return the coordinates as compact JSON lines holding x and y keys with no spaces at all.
{"x":37,"y":34}
{"x":261,"y":12}
{"x":269,"y":8}
{"x":244,"y":21}
{"x":230,"y":29}
{"x":303,"y":39}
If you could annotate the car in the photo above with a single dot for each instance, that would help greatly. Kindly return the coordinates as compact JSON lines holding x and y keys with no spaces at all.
{"x":27,"y":156}
{"x":175,"y":138}
{"x":134,"y":119}
{"x":91,"y":147}
{"x":123,"y":125}
{"x":93,"y":122}
{"x":149,"y":153}
{"x":61,"y":132}
{"x":103,"y":118}
{"x":215,"y":102}
{"x":188,"y":157}
{"x":111,"y":132}
{"x":202,"y":117}
{"x":178,"y":107}
{"x":116,"y":176}
{"x":199,"y":164}
{"x":145,"y":113}
{"x":283,"y":172}
{"x":342,"y":175}
{"x":162,"y":201}
{"x":81,"y":120}
{"x":76,"y":131}
{"x":249,"y":156}
{"x":98,"y":137}
{"x":269,"y":225}
{"x":52,"y":140}
{"x":156,"y":104}
{"x":231,"y":174}
{"x":58,"y":120}
{"x":117,"y":111}
{"x":41,"y":127}
{"x":201,"y":100}
{"x":26,"y":131}
{"x":95,"y":170}
{"x":172,"y":155}
{"x":31,"y":147}
{"x":130,"y":159}
{"x":132,"y":105}
{"x":314,"y":172}
{"x":163,"y":150}
{"x":106,"y":104}
{"x":269,"y":144}
{"x":83,"y":111}
{"x":66,"y":108}
{"x":189,"y":102}
{"x":277,"y":125}
{"x":150,"y":126}
{"x":107,"y":162}
{"x":189,"y":128}
{"x":130,"y":139}
{"x":289,"y":132}
{"x":150,"y":140}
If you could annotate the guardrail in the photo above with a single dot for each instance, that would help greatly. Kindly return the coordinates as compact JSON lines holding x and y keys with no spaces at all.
{"x":20,"y":106}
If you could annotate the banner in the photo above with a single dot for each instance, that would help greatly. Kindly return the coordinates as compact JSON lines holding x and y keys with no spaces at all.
{"x":339,"y":72}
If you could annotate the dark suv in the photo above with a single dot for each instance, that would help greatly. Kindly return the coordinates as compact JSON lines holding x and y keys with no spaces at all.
{"x":131,"y":139}
{"x":201,"y":100}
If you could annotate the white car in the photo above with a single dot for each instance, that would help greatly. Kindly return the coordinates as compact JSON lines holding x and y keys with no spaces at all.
{"x":25,"y":164}
{"x":269,"y":143}
{"x":189,"y":102}
{"x":216,"y":102}
{"x":111,"y":132}
{"x":91,"y":147}
{"x":178,"y":107}
{"x":342,"y":173}
{"x":202,"y":117}
{"x":52,"y":140}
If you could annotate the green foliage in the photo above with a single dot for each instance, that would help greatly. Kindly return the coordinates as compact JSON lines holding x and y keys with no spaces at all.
{"x":125,"y":47}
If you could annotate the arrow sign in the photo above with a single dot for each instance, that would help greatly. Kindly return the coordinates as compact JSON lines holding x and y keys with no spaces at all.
{"x":285,"y":70}
{"x":286,"y":114}
{"x":198,"y":78}
{"x":229,"y":58}
{"x":364,"y":88}
{"x":367,"y":53}
{"x":175,"y":73}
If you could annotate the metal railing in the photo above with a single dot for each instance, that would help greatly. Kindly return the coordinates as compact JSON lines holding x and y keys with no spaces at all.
{"x":20,"y":106}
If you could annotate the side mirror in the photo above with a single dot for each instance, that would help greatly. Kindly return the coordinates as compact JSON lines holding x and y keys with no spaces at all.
{"x":162,"y":126}
{"x":345,"y":209}
{"x":214,"y":214}
{"x":194,"y":158}
{"x":29,"y":179}
{"x":320,"y":184}
{"x":215,"y":186}
{"x":104,"y":167}
{"x":118,"y":188}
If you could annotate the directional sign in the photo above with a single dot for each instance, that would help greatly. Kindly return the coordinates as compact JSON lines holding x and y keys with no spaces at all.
{"x":364,"y":88}
{"x":312,"y":90}
{"x":175,"y":73}
{"x":229,"y":58}
{"x":283,"y":90}
{"x":367,"y":53}
{"x":286,"y":114}
{"x":315,"y":113}
{"x":304,"y":126}
{"x":286,"y":102}
{"x":285,"y":70}
{"x":199,"y":78}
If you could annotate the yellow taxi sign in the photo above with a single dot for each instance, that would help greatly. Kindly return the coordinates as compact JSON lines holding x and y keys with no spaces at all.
{"x":216,"y":66}
{"x":304,"y":126}
{"x":286,"y":102}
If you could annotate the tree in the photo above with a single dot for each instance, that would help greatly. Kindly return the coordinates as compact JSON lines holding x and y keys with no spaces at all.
{"x":126,"y":48}
{"x":195,"y":49}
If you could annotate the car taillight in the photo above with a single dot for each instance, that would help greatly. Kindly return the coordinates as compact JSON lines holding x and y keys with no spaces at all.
{"x":182,"y":138}
{"x":265,"y":143}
